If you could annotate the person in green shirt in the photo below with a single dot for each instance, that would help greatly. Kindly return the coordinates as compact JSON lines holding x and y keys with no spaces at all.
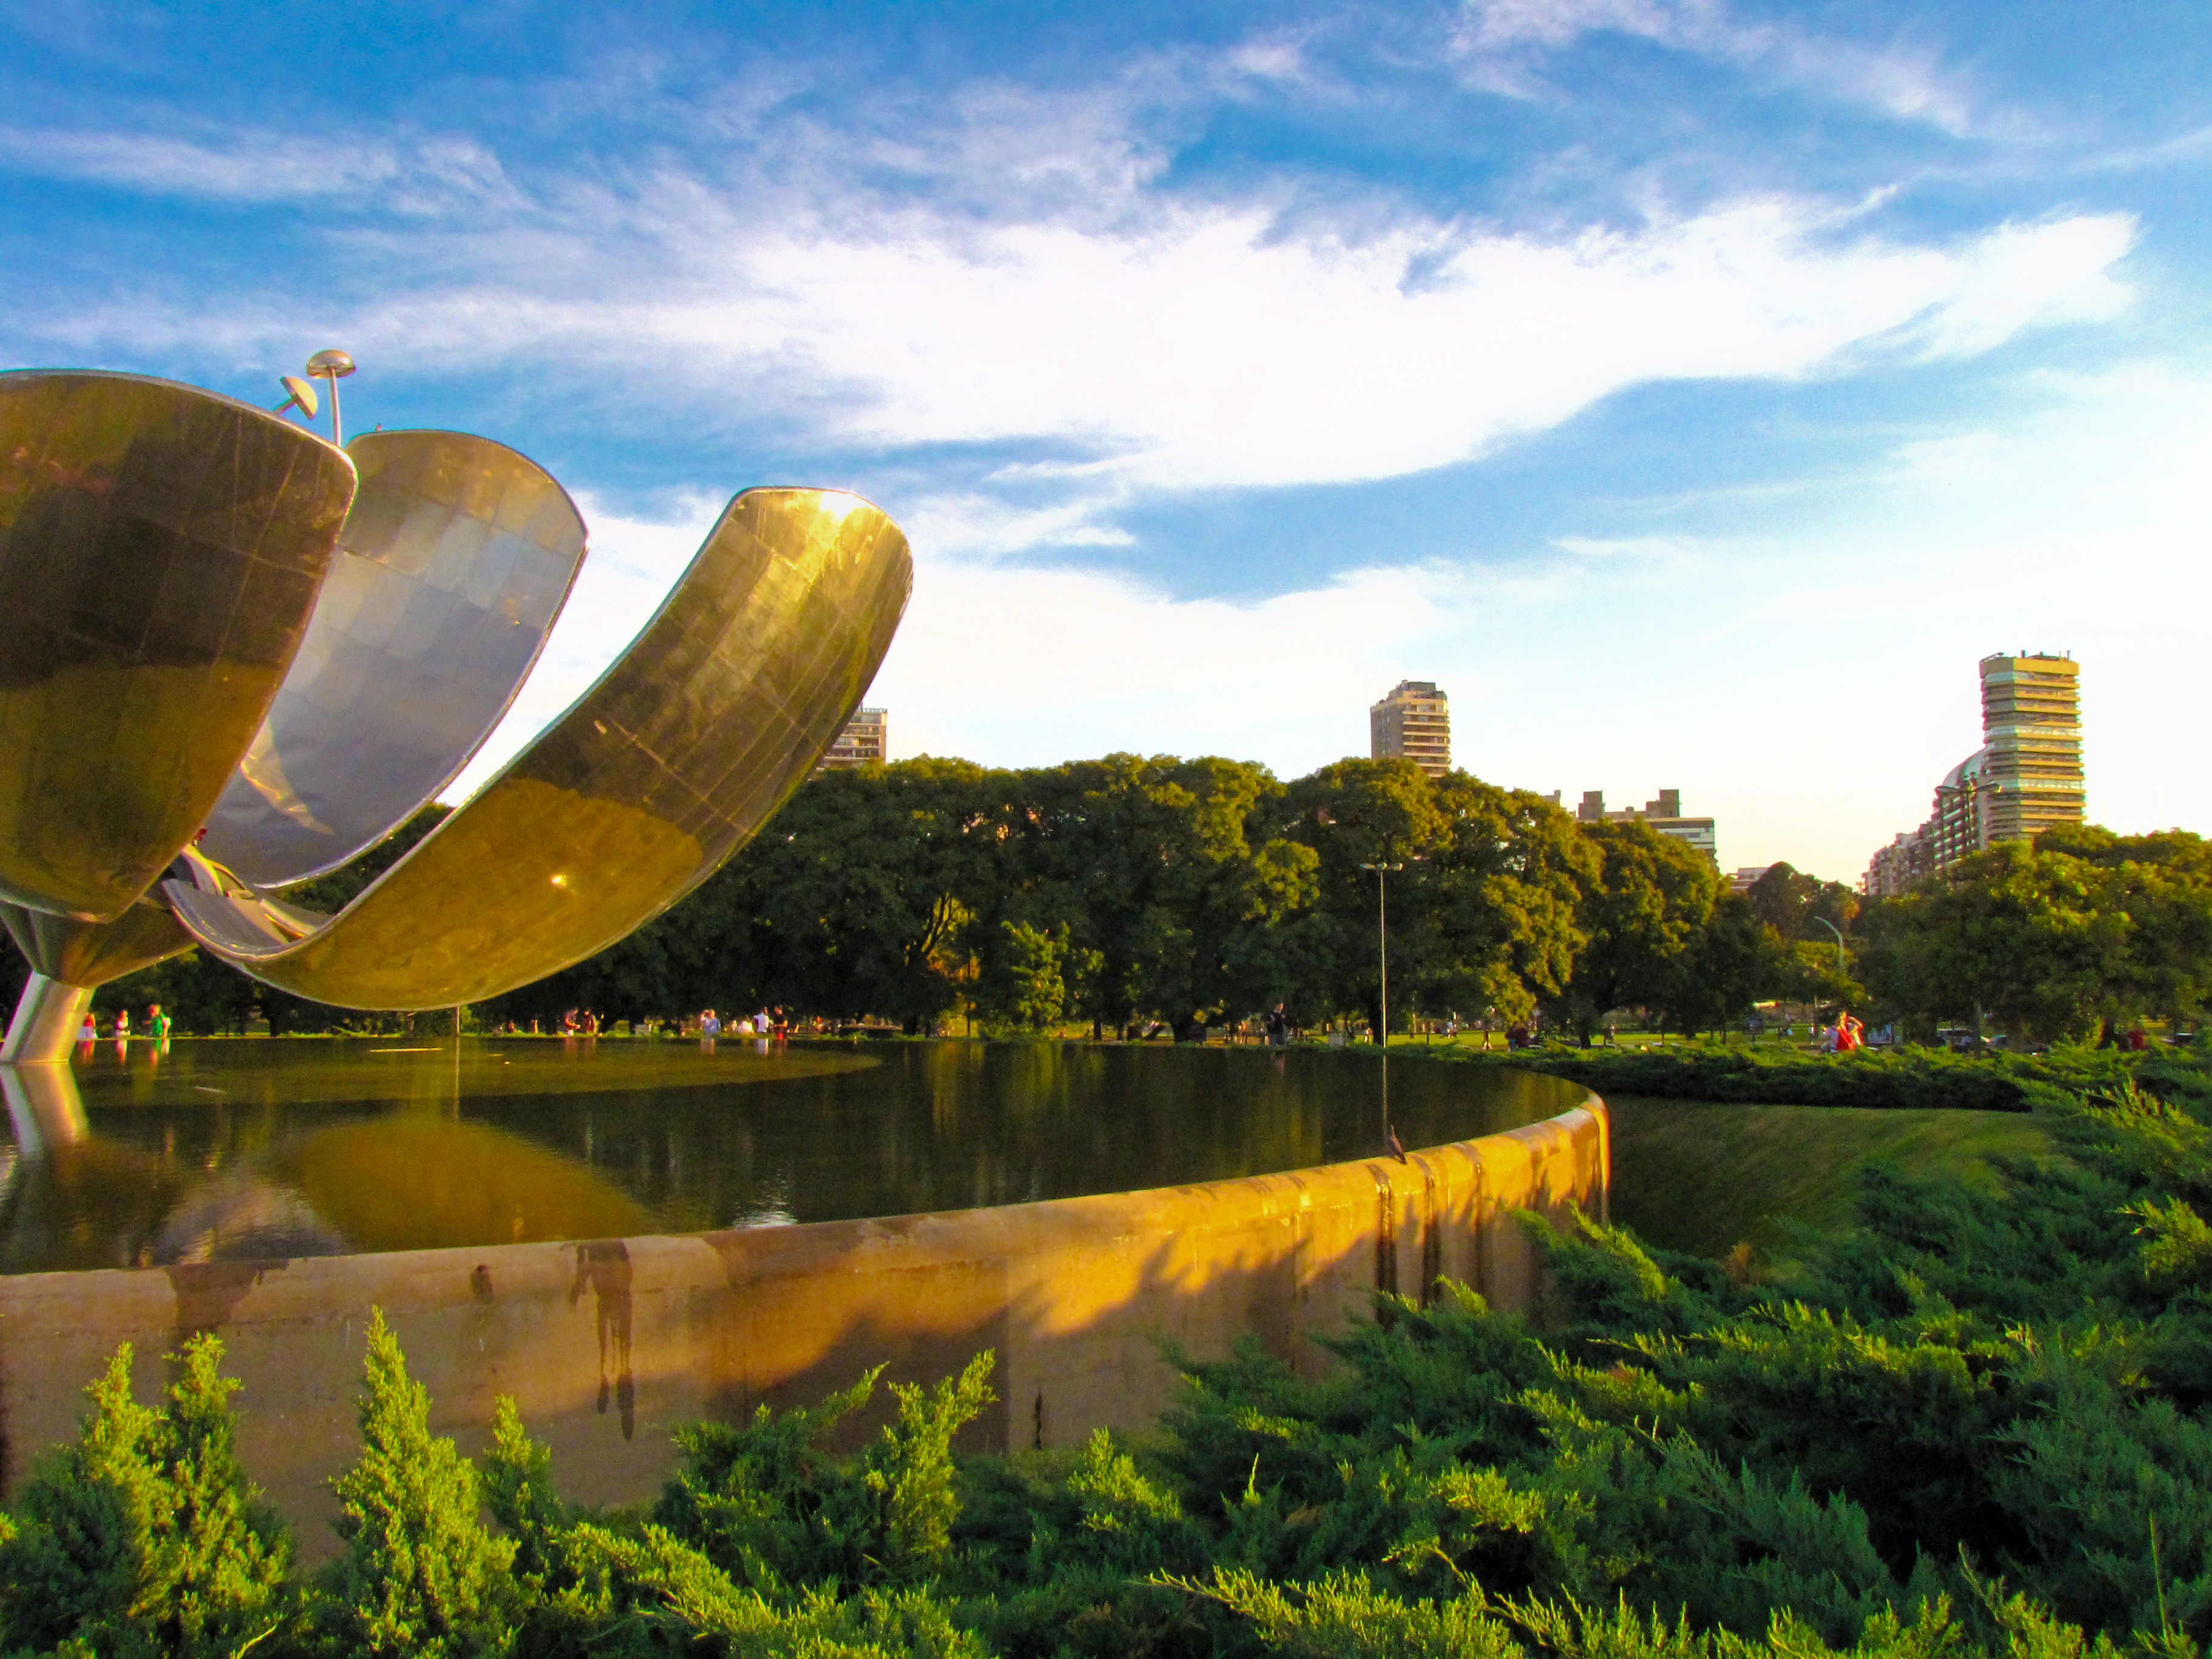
{"x":157,"y":1023}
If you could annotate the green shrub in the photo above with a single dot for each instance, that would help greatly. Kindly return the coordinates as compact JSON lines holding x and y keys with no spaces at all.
{"x":420,"y":1576}
{"x":145,"y":1537}
{"x":1903,"y":1077}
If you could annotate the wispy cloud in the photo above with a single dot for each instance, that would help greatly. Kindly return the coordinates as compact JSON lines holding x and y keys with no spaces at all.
{"x":1183,"y":346}
{"x":979,"y":526}
{"x":426,"y":175}
{"x":1501,"y":43}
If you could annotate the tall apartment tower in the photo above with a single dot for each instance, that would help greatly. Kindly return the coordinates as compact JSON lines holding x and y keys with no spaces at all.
{"x":863,"y":739}
{"x":1415,"y":722}
{"x":2026,"y":777}
{"x":2031,"y":746}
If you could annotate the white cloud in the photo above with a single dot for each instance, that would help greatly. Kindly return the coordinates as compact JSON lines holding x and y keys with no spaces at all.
{"x":2027,"y":275}
{"x":1495,"y":40}
{"x":1028,"y":278}
{"x":1499,"y":25}
{"x":1031,"y":667}
{"x":245,"y":166}
{"x":1671,"y":549}
{"x":1213,"y":350}
{"x":981,"y":526}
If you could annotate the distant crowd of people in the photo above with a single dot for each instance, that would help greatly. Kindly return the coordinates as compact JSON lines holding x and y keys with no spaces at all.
{"x":156,"y":1028}
{"x":772,"y":1023}
{"x":1279,"y":1029}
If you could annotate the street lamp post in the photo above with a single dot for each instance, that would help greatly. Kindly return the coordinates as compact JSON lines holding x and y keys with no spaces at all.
{"x":1390,"y":1141}
{"x":333,"y":366}
{"x":1839,"y":932}
{"x":1383,"y":945}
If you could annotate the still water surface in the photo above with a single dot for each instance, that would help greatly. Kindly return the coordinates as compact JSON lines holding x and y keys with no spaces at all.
{"x":243,"y":1149}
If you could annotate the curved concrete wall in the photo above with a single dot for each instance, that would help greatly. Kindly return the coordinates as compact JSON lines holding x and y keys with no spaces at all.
{"x":609,"y":1344}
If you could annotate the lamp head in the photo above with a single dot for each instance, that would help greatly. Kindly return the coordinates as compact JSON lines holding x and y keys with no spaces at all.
{"x":331,"y":365}
{"x":298,"y":394}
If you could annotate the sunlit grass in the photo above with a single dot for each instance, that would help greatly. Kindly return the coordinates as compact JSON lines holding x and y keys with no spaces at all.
{"x":1704,"y":1177}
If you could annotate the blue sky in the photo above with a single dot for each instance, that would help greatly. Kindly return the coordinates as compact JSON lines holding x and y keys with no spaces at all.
{"x":1695,"y":390}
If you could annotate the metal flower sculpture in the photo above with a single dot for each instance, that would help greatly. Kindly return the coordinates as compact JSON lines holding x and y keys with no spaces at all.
{"x":233,"y":656}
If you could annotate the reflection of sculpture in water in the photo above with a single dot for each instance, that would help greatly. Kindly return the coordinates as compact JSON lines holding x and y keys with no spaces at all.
{"x":411,"y":1178}
{"x":237,"y":656}
{"x":43,"y":1108}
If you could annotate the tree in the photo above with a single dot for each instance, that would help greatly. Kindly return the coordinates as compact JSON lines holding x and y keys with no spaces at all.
{"x":862,"y":899}
{"x":420,"y":1575}
{"x":1163,"y":869}
{"x":2049,"y":941}
{"x":1727,"y":963}
{"x":1028,"y":990}
{"x":1641,"y":908}
{"x":145,"y":1537}
{"x":856,"y":898}
{"x":1504,"y":884}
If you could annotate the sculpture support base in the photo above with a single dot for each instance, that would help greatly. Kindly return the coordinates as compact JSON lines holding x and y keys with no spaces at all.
{"x":47,"y":1018}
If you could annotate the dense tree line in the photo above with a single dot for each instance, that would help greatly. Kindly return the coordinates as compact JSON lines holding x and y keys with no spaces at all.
{"x":1128,"y":891}
{"x":2080,"y":931}
{"x":1125,"y":891}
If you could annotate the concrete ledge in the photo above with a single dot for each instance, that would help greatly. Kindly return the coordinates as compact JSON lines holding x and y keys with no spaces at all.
{"x":609,"y":1344}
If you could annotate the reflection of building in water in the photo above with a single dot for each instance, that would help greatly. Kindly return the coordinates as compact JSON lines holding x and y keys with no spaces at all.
{"x":1664,"y":815}
{"x":865,"y":738}
{"x":2026,"y":778}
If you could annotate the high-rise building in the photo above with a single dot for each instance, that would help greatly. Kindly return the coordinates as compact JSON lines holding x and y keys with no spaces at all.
{"x":2031,"y":745}
{"x":864,"y":739}
{"x":1415,"y":722}
{"x":1897,"y":866}
{"x":1664,"y":815}
{"x":2026,"y":777}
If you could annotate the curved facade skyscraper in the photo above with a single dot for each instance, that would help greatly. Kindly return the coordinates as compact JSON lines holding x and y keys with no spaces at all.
{"x":2026,"y":778}
{"x":2031,"y":746}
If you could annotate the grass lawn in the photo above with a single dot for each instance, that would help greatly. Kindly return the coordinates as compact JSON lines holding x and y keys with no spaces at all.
{"x":1702,"y":1177}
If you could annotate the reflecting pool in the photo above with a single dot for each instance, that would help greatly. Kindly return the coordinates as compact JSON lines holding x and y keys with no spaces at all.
{"x":214,"y":1149}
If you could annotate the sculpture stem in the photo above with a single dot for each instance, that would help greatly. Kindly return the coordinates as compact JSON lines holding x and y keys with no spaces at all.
{"x":47,"y":1018}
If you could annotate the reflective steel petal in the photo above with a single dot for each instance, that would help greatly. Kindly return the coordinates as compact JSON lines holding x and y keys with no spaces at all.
{"x":661,"y":771}
{"x":452,"y":565}
{"x":161,"y":548}
{"x":94,"y":952}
